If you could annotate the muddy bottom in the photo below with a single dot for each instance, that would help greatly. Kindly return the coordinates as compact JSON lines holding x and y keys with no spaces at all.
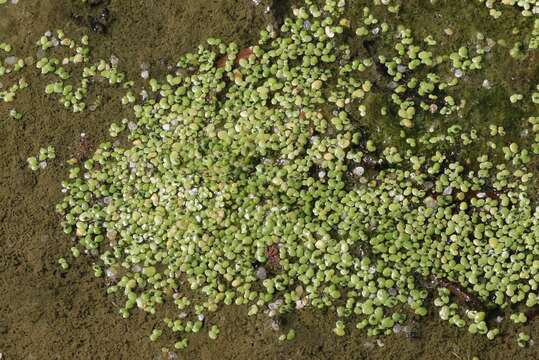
{"x":48,"y":314}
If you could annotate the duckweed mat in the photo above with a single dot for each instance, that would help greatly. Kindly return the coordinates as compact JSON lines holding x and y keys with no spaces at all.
{"x":48,"y":313}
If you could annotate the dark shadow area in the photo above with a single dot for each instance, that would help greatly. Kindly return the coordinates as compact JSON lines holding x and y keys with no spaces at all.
{"x":280,"y":9}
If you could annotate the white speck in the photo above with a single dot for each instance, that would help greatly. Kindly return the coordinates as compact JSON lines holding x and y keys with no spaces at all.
{"x":458,"y":73}
{"x":499,"y":319}
{"x":200,"y":317}
{"x":300,"y":304}
{"x":261,"y":273}
{"x":145,"y":74}
{"x":143,"y":95}
{"x":43,"y":164}
{"x":322,"y":174}
{"x":330,"y":34}
{"x":358,"y":171}
{"x":448,"y":190}
{"x":166,"y":127}
{"x":10,"y":60}
{"x":114,"y":60}
{"x":131,"y":126}
{"x":182,"y":315}
{"x":109,"y":273}
{"x":376,"y":30}
{"x":65,"y":61}
{"x":486,"y":84}
{"x":48,"y":33}
{"x":397,"y":328}
{"x":55,"y":42}
{"x":256,"y":2}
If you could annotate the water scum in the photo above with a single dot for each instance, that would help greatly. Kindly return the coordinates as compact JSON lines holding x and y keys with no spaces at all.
{"x":260,"y":177}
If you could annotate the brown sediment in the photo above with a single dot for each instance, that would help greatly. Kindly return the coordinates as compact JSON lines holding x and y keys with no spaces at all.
{"x":84,"y":149}
{"x":532,"y":313}
{"x":272,"y":253}
{"x":462,"y":295}
{"x":242,"y":54}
